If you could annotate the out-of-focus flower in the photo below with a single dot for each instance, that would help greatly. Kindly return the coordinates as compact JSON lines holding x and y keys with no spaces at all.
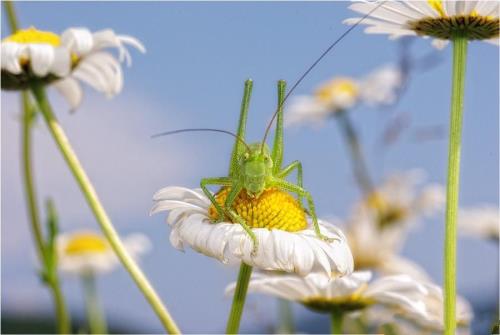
{"x":482,"y":222}
{"x":378,"y":226}
{"x":398,"y":202}
{"x":432,"y":320}
{"x":82,"y":252}
{"x":350,"y":293}
{"x":477,"y":20}
{"x":342,"y":93}
{"x":286,"y":240}
{"x":77,"y":55}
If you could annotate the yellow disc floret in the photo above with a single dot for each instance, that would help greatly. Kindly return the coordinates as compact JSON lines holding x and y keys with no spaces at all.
{"x":347,"y":303}
{"x":273,"y":209}
{"x":387,"y":213}
{"x":85,"y":243}
{"x":338,"y":87}
{"x":34,"y":36}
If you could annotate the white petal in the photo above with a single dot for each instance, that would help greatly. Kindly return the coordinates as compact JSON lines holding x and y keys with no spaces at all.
{"x":10,"y":55}
{"x":78,"y":40}
{"x":41,"y":58}
{"x":71,"y":91}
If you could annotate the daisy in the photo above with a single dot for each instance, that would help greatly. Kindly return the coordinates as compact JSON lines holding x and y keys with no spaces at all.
{"x":342,"y":93}
{"x":441,"y":20}
{"x":286,"y":240}
{"x":348,"y":294}
{"x":83,"y":252}
{"x":482,"y":222}
{"x":77,"y":55}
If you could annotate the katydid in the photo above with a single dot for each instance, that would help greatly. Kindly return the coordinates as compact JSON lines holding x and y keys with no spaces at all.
{"x":254,"y":168}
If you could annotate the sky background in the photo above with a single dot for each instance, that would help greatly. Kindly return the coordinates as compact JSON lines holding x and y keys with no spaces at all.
{"x":198,"y":55}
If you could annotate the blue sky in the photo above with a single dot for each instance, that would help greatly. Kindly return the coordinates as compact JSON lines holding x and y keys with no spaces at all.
{"x":198,"y":55}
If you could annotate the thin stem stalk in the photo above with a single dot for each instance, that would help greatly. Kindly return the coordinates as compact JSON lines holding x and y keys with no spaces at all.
{"x":453,"y":182}
{"x":336,"y":321}
{"x":233,"y":322}
{"x":360,"y":168}
{"x":100,"y":214}
{"x":95,"y":317}
{"x":285,"y":317}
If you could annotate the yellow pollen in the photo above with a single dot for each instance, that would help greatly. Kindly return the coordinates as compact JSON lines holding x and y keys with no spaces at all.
{"x":34,"y":36}
{"x":337,"y":87}
{"x":84,"y":243}
{"x":273,"y":209}
{"x":437,"y":5}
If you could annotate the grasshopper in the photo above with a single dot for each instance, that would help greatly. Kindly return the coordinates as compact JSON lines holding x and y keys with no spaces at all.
{"x":255,"y":167}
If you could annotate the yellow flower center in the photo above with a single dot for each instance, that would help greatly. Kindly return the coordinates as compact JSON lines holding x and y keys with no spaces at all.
{"x":437,"y":5}
{"x":348,"y":303}
{"x":472,"y":25}
{"x":272,"y":209}
{"x":85,"y":243}
{"x":34,"y":36}
{"x":387,"y":213}
{"x":338,"y":87}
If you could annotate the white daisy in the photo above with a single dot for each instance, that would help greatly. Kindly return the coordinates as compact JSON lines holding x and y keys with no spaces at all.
{"x":432,"y":320}
{"x":342,"y":93}
{"x":76,"y":55}
{"x":477,"y":20}
{"x":286,"y":240}
{"x":378,"y":225}
{"x":350,"y":293}
{"x":82,"y":252}
{"x":482,"y":222}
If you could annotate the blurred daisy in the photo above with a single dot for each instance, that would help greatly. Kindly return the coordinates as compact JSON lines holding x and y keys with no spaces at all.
{"x":77,"y":55}
{"x":432,"y":320}
{"x":286,"y":240}
{"x":482,"y":222}
{"x":441,"y":20}
{"x":83,"y":252}
{"x":346,"y":294}
{"x":400,"y":200}
{"x":342,"y":93}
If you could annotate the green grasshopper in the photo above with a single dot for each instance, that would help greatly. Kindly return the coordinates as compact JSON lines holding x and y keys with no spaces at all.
{"x":255,"y":168}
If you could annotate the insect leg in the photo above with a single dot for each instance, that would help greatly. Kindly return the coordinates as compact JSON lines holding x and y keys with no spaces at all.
{"x":289,"y":169}
{"x":277,"y":153}
{"x":235,"y":190}
{"x":239,"y":147}
{"x":287,"y":186}
{"x":223,"y":181}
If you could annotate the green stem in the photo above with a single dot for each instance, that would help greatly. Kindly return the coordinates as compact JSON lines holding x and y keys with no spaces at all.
{"x":11,"y":16}
{"x":336,"y":320}
{"x":100,"y":214}
{"x":233,"y":323}
{"x":285,"y":317}
{"x":358,"y":161}
{"x":95,"y":316}
{"x":452,"y":190}
{"x":62,"y":315}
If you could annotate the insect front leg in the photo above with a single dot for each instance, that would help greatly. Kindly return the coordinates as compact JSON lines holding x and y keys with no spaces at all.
{"x":235,"y":190}
{"x":277,"y":153}
{"x":289,"y":169}
{"x":222,"y":181}
{"x":301,"y":192}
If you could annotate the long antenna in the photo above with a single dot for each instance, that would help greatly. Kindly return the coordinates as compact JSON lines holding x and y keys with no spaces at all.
{"x":313,"y":65}
{"x":187,"y":130}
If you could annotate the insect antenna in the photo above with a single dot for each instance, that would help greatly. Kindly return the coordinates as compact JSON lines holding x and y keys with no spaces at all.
{"x":312,"y":66}
{"x":188,"y":130}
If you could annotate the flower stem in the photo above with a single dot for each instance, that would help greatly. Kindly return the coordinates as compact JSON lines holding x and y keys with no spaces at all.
{"x":285,"y":317}
{"x":95,"y":316}
{"x":100,"y":214}
{"x":233,"y":323}
{"x":336,"y":320}
{"x":62,"y":316}
{"x":452,"y":190}
{"x":11,"y":16}
{"x":358,"y":161}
